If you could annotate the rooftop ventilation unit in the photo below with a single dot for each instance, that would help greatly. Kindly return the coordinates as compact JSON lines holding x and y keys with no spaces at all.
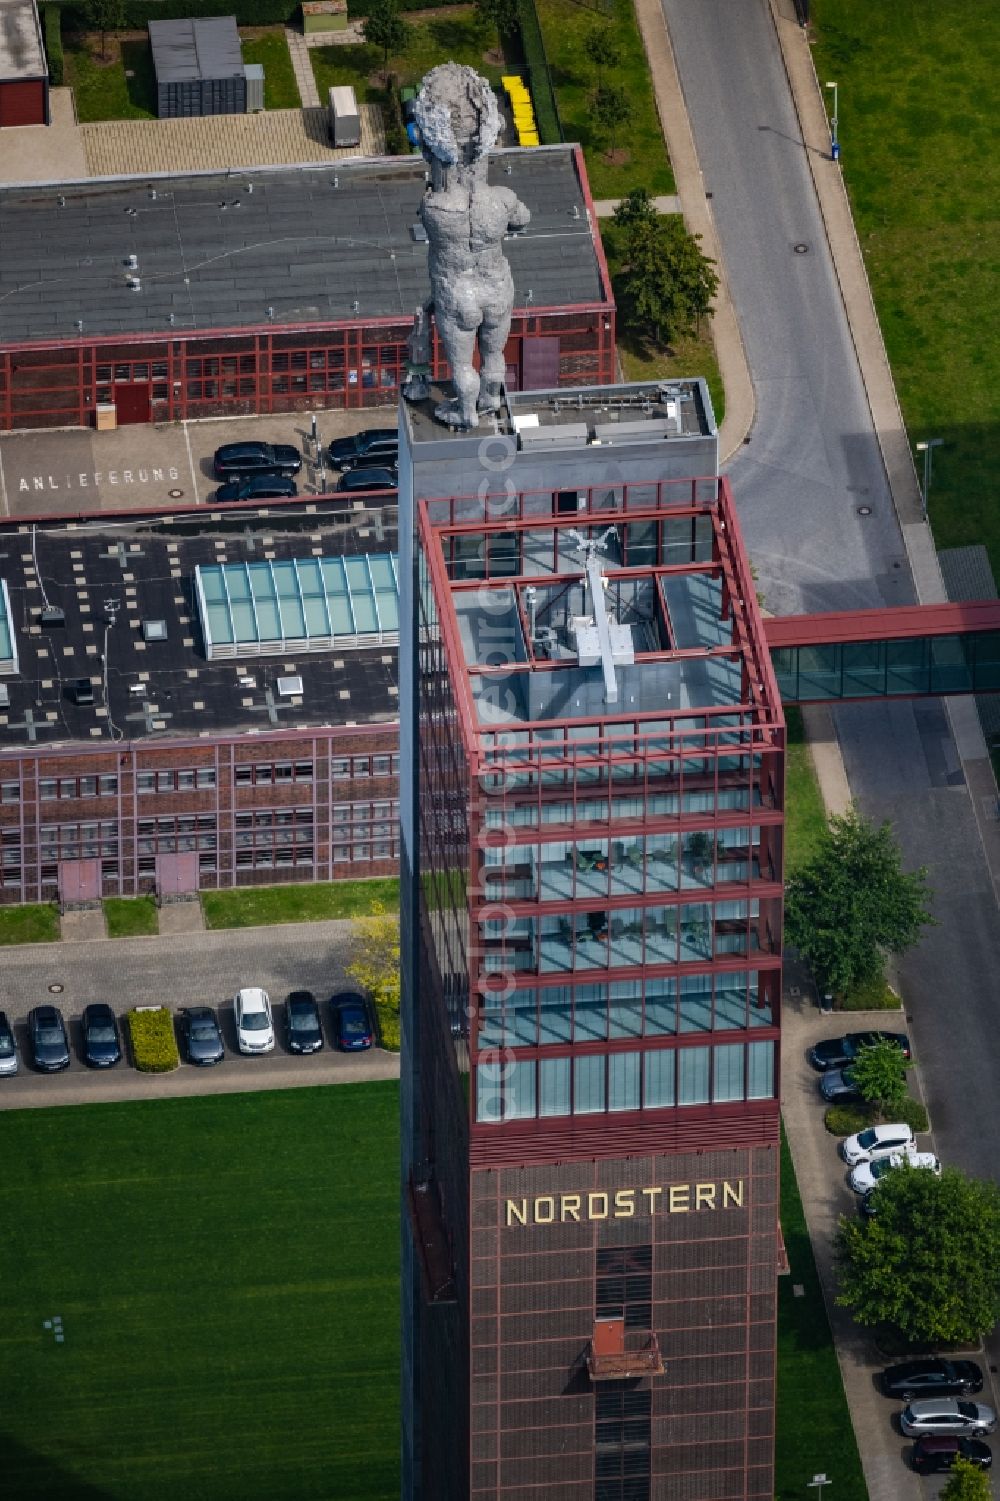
{"x":635,"y":432}
{"x":154,"y":630}
{"x":4,"y":695}
{"x":290,"y":687}
{"x":51,"y":616}
{"x":131,"y":263}
{"x":558,"y":435}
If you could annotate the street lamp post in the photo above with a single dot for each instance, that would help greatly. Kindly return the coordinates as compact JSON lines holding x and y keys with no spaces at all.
{"x":834,"y":123}
{"x":817,"y":1483}
{"x":927,"y":449}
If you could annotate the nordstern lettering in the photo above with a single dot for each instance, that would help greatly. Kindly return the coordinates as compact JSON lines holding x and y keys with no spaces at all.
{"x":623,"y":1203}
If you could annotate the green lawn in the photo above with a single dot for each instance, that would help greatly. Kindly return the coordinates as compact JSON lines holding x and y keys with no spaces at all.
{"x":813,"y":1422}
{"x":130,"y":917}
{"x":270,"y":48}
{"x":640,"y":159}
{"x":261,"y":906}
{"x":101,"y":89}
{"x":226,"y":1272}
{"x":917,"y":85}
{"x":31,"y":924}
{"x":805,"y":815}
{"x":457,"y":37}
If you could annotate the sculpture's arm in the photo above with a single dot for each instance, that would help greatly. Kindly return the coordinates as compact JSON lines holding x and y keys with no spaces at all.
{"x":518,"y":213}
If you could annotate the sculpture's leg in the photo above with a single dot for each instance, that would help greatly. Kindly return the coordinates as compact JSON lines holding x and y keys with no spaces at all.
{"x":459,"y":344}
{"x":493,"y":335}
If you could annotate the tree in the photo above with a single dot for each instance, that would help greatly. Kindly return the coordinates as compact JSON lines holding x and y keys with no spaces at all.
{"x":374,"y":964}
{"x":602,"y":48}
{"x":666,"y":284}
{"x":502,"y":16}
{"x":105,"y":16}
{"x":878,"y":1071}
{"x":636,"y":208}
{"x":612,"y":109}
{"x":852,"y":905}
{"x":928,"y":1261}
{"x":384,"y":27}
{"x":967,"y":1482}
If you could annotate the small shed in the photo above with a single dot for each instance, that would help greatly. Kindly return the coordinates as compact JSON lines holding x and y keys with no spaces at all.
{"x":24,"y":73}
{"x":199,"y":67}
{"x":345,"y":119}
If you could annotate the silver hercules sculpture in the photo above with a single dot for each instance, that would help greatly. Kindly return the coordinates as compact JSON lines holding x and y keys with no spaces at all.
{"x":465,"y":219}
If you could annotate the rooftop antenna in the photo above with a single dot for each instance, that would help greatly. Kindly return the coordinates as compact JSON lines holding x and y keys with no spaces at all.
{"x":607,"y":641}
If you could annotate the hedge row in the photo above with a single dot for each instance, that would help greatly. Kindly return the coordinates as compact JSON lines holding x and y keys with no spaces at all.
{"x":542,"y":93}
{"x":51,"y":20}
{"x":137,"y":13}
{"x":154,"y":1047}
{"x":845,"y":1120}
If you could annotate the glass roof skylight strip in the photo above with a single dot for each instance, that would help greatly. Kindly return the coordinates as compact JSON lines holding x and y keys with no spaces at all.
{"x":8,"y":640}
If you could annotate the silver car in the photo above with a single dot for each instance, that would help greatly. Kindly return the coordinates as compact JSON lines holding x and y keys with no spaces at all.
{"x":946,"y":1415}
{"x":8,"y":1047}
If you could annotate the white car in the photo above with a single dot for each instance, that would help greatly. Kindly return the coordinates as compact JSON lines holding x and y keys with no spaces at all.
{"x":254,"y":1024}
{"x":876,"y":1142}
{"x":867,"y":1174}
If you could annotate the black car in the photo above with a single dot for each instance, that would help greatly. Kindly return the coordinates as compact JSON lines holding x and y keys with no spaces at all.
{"x":367,"y":479}
{"x":202,"y":1036}
{"x":8,"y":1047}
{"x":49,"y":1043}
{"x":837,"y":1087}
{"x":258,"y":487}
{"x":352,"y":1028}
{"x":376,"y":445}
{"x":838,"y":1052}
{"x":932,"y":1377}
{"x":303,"y":1032}
{"x":242,"y":459}
{"x":934,"y":1456}
{"x":101,"y":1044}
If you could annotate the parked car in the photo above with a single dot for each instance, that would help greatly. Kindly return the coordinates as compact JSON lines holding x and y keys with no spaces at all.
{"x":932,"y":1377}
{"x":303,"y":1033}
{"x":254,"y":1024}
{"x":838,"y":1052}
{"x":352,"y":1028}
{"x":102,"y":1046}
{"x":367,"y":479}
{"x":946,"y":1415}
{"x":876,"y":1142}
{"x":239,"y":459}
{"x":867,"y":1174}
{"x":837,"y":1087}
{"x":49,"y":1043}
{"x":376,"y":445}
{"x":934,"y":1456}
{"x":258,"y":487}
{"x":8,"y":1047}
{"x":202,"y":1036}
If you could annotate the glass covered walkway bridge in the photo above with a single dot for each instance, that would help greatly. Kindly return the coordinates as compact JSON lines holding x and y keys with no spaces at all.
{"x":915,"y":651}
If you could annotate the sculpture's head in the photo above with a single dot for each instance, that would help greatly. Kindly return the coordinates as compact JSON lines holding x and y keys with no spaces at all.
{"x":457,"y":114}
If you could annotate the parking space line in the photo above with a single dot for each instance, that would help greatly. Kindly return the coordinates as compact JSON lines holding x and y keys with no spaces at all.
{"x":194,"y":476}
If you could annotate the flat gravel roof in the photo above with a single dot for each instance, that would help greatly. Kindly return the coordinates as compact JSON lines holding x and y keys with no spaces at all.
{"x":312,"y":244}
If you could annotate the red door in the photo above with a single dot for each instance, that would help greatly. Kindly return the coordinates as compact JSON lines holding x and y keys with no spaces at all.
{"x":133,"y":401}
{"x":22,"y":103}
{"x":540,"y":362}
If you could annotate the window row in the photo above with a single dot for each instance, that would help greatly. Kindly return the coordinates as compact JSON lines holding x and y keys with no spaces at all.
{"x":378,"y":849}
{"x":362,"y":813}
{"x":639,"y":809}
{"x":50,"y":788}
{"x":364,"y":766}
{"x":596,"y":1083}
{"x":171,"y":779}
{"x":191,"y":779}
{"x":686,"y":934}
{"x":269,"y":772}
{"x":636,"y":864}
{"x":628,"y":1008}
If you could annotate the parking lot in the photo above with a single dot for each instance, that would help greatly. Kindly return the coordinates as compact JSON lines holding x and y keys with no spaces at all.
{"x":156,"y":971}
{"x":77,"y":470}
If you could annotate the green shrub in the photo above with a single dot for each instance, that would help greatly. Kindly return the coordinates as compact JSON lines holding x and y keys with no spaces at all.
{"x":138,"y":13}
{"x":154,"y":1047}
{"x":52,"y":22}
{"x":396,"y":140}
{"x":542,"y":95}
{"x":387,"y":1024}
{"x":844,"y":1120}
{"x":914,"y":1114}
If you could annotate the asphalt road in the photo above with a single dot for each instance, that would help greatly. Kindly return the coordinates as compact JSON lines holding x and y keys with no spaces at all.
{"x":198,"y":969}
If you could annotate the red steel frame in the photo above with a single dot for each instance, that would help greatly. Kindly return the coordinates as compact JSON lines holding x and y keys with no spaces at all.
{"x":894,"y":623}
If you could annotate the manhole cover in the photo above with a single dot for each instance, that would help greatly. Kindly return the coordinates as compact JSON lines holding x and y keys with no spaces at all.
{"x":56,"y":989}
{"x":801,"y":248}
{"x":864,"y":510}
{"x":175,"y":494}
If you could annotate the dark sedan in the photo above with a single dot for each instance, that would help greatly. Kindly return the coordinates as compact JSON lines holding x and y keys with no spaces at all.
{"x":367,"y":479}
{"x":935,"y":1456}
{"x":258,"y":487}
{"x":352,"y":1028}
{"x":303,"y":1033}
{"x":49,"y":1043}
{"x":241,"y":459}
{"x":932,"y":1377}
{"x":376,"y":445}
{"x":101,"y":1044}
{"x":838,"y":1087}
{"x":202,"y":1036}
{"x":838,"y":1052}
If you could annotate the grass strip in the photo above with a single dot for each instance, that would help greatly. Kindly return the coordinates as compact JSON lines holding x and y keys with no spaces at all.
{"x":260,"y":906}
{"x":131,"y":916}
{"x":35,"y":923}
